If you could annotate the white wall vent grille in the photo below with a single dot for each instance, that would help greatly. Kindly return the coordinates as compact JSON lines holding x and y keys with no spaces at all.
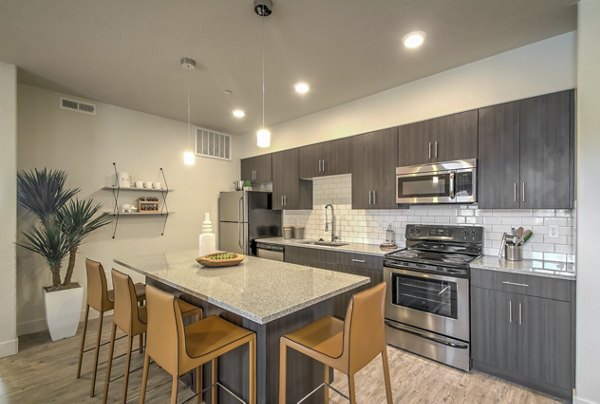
{"x":79,"y":106}
{"x":213,"y":144}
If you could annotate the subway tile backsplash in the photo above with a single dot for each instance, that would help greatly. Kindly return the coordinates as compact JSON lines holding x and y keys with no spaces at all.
{"x":369,"y":226}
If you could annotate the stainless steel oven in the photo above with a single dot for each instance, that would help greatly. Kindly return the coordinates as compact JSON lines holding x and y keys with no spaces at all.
{"x":444,"y":182}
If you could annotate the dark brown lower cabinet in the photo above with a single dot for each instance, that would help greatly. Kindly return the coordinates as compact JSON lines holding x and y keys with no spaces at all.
{"x":367,"y":265}
{"x":524,"y":338}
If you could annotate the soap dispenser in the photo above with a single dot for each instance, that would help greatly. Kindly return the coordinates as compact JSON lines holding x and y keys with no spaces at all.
{"x":206,"y":240}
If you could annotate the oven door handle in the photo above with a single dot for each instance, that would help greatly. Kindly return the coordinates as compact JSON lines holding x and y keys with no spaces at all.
{"x":452,"y":183}
{"x":434,"y":339}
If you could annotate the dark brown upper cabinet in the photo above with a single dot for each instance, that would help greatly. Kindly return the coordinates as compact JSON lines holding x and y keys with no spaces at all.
{"x":326,"y":158}
{"x":374,"y":157}
{"x":451,"y":137}
{"x":257,"y":169}
{"x":526,"y":153}
{"x":289,"y":191}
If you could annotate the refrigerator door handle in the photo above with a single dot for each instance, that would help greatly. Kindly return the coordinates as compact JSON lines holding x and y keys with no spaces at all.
{"x":241,"y":210}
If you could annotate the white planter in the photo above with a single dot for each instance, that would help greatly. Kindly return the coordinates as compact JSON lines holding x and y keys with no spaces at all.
{"x":63,"y":311}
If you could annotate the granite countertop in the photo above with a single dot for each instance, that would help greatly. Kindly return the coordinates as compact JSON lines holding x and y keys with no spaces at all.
{"x":258,"y":289}
{"x":552,"y":269}
{"x":371,"y":249}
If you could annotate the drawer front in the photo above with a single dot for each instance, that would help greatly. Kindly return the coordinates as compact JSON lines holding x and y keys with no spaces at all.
{"x":531,"y":285}
{"x":364,"y":261}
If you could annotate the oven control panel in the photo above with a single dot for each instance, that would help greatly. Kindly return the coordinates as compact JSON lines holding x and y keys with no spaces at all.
{"x":462,"y":234}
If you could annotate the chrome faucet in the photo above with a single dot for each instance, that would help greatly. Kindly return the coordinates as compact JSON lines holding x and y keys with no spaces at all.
{"x":333,"y":236}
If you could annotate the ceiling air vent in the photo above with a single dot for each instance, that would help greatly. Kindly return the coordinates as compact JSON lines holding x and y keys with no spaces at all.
{"x":79,"y":106}
{"x":213,"y":144}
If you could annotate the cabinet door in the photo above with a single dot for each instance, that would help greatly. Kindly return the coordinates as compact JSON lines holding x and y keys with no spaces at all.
{"x":338,"y":157}
{"x":455,"y":137}
{"x":357,"y":264}
{"x":546,"y":134}
{"x":544,"y":340}
{"x":414,"y":143}
{"x":257,"y":169}
{"x":498,"y":167}
{"x":311,"y":160}
{"x":289,"y":192}
{"x":374,"y":170}
{"x":493,"y":328}
{"x":311,"y":257}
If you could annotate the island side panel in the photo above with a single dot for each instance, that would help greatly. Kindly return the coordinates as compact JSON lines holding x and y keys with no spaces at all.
{"x":304,"y":374}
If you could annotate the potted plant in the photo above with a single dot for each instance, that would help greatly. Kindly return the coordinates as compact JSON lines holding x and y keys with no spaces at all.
{"x":63,"y":224}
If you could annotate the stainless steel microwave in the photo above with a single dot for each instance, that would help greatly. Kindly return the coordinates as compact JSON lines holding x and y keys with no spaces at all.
{"x":443,"y":182}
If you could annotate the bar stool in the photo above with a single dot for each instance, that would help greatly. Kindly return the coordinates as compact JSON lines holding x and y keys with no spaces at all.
{"x":131,"y":319}
{"x":347,"y":346}
{"x":102,"y":300}
{"x":178,"y":349}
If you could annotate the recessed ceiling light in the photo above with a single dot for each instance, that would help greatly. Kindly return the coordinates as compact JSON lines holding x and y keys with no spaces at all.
{"x":301,"y":87}
{"x":238,"y":113}
{"x":414,"y":39}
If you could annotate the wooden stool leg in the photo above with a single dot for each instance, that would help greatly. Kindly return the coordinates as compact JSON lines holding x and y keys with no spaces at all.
{"x":127,"y":367}
{"x":96,"y":353}
{"x":144,"y":378}
{"x":199,"y":383}
{"x":327,"y":380}
{"x":174,"y":390}
{"x":351,"y":389}
{"x":111,"y":350}
{"x":386,"y":375}
{"x":141,"y":342}
{"x":252,"y":370}
{"x":214,"y":378}
{"x":282,"y":371}
{"x":85,"y":323}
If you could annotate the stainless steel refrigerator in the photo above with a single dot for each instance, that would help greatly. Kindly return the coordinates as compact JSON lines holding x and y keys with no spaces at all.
{"x":245,"y":216}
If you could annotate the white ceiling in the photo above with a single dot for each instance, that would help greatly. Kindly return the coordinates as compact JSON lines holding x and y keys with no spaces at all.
{"x":127,"y":52}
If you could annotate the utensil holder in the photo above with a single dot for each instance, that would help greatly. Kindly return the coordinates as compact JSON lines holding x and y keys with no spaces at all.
{"x":299,"y":232}
{"x":288,"y":232}
{"x":513,"y":252}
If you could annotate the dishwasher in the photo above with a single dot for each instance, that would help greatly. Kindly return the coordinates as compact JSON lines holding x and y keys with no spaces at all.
{"x":270,"y":251}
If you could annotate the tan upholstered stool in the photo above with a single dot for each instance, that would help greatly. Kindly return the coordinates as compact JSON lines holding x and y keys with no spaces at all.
{"x":102,"y":300}
{"x":347,"y":346}
{"x":131,"y":319}
{"x":179,"y":349}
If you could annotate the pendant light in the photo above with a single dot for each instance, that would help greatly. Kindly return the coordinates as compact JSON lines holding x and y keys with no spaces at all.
{"x":189,"y":157}
{"x":263,"y":8}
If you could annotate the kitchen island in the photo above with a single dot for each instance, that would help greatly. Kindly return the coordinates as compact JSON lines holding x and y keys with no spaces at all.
{"x":268,"y":297}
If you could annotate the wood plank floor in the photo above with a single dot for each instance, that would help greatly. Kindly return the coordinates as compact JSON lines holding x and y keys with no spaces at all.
{"x":44,"y":372}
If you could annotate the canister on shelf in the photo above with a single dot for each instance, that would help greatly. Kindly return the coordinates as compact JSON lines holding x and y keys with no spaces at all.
{"x":299,"y":232}
{"x":288,"y":232}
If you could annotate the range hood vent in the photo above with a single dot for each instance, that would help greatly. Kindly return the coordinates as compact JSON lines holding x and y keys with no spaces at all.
{"x":78,"y":106}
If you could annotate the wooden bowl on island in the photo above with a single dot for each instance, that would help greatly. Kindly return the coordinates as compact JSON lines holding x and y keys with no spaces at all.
{"x":220,"y":259}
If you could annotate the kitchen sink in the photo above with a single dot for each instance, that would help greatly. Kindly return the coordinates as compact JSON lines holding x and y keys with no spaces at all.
{"x":325,"y":243}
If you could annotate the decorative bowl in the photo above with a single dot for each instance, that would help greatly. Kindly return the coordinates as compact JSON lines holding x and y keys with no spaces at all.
{"x":211,"y":260}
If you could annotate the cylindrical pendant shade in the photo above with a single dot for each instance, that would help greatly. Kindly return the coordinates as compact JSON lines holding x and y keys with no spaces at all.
{"x":189,"y":158}
{"x":263,"y":138}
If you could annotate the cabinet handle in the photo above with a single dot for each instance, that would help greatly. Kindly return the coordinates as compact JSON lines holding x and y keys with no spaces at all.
{"x":369,"y":198}
{"x":515,"y":284}
{"x":510,"y":311}
{"x":320,"y":169}
{"x":523,"y":191}
{"x":429,"y":150}
{"x":323,"y":166}
{"x":361,"y":261}
{"x":253,"y":175}
{"x":520,"y":314}
{"x":514,"y":192}
{"x":374,"y":197}
{"x":436,"y":150}
{"x":285,"y":200}
{"x":282,"y":201}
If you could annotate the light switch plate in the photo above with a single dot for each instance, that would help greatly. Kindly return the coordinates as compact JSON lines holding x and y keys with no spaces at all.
{"x":553,"y":231}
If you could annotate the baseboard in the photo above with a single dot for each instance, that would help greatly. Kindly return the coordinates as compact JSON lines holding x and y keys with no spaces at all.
{"x":579,"y":400}
{"x":8,"y":348}
{"x":39,"y":325}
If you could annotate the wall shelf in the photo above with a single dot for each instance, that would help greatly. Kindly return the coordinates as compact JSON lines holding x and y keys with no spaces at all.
{"x":116,"y":191}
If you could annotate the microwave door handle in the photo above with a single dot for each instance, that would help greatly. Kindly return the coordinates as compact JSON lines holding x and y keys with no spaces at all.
{"x":451,"y":185}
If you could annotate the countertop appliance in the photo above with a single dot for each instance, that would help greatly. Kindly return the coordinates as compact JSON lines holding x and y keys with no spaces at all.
{"x":445,"y":182}
{"x":427,"y":306}
{"x":270,"y":251}
{"x":245,"y":216}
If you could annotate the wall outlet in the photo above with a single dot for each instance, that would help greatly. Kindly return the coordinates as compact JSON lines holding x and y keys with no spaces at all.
{"x":553,"y":231}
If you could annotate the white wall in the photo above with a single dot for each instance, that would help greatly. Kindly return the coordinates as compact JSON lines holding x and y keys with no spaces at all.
{"x":8,"y":208}
{"x":85,"y":146}
{"x":588,"y":172}
{"x":536,"y":69}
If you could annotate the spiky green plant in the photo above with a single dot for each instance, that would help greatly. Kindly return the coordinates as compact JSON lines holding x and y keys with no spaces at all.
{"x":77,"y":219}
{"x":51,"y":243}
{"x":43,"y":193}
